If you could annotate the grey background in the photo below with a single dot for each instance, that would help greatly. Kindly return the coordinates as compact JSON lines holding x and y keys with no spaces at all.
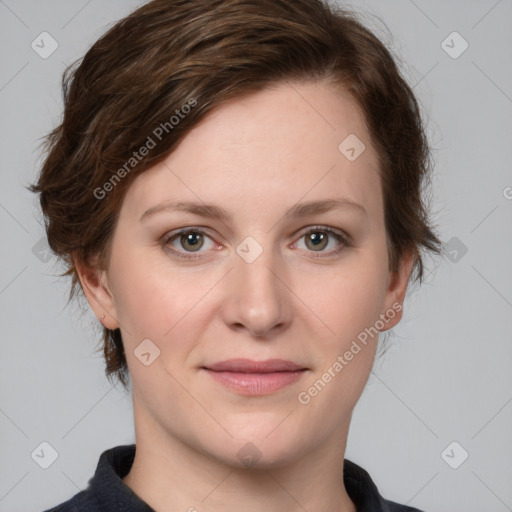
{"x":447,"y":374}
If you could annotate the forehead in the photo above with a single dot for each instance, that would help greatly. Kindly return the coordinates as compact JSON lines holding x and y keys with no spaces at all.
{"x":270,"y":149}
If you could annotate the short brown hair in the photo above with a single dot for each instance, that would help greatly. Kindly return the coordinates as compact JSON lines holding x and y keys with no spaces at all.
{"x":169,"y":53}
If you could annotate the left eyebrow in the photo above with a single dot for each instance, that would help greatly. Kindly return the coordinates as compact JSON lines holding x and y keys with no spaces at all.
{"x":315,"y":207}
{"x":296,"y":211}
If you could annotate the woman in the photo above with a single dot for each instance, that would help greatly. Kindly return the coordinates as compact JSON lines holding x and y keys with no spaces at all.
{"x":236,"y":187}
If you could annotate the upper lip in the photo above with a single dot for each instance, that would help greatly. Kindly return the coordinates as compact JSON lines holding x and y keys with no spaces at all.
{"x":250,"y":366}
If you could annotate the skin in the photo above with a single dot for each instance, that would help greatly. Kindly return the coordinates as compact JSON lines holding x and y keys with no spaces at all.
{"x":255,"y":157}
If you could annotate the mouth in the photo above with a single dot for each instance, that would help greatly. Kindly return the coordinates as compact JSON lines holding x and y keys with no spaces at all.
{"x":248,"y":377}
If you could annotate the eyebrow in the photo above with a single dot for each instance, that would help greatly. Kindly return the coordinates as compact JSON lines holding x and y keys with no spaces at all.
{"x":213,"y":211}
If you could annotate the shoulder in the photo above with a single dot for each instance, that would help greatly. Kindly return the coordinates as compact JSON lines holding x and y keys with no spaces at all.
{"x":364,"y":493}
{"x":396,"y":507}
{"x":75,"y":504}
{"x":84,"y":500}
{"x":106,"y":490}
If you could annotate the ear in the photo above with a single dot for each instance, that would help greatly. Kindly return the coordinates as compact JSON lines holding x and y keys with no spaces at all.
{"x":397,"y":287}
{"x":98,"y":293}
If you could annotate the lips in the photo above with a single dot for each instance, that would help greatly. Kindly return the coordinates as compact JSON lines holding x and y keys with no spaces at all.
{"x":250,"y":366}
{"x":255,"y":378}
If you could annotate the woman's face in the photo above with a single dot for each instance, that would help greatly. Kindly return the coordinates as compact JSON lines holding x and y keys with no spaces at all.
{"x":292,"y":271}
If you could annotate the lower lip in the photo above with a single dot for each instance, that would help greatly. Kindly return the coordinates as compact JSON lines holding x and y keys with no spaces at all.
{"x":256,"y":383}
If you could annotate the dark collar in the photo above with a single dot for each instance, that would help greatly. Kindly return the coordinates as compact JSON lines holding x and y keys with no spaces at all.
{"x":108,"y":492}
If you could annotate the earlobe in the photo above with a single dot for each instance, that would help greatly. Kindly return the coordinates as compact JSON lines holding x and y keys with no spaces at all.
{"x":97,"y":291}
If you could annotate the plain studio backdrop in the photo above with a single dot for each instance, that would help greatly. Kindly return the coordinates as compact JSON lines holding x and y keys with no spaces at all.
{"x":433,"y":425}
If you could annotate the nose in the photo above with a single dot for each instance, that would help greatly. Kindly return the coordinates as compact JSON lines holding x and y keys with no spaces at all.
{"x":257,"y":298}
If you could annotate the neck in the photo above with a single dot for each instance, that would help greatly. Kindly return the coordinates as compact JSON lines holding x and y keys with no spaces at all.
{"x":169,"y":474}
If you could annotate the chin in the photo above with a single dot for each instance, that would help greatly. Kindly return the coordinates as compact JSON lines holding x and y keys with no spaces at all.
{"x":246,"y":454}
{"x":257,"y":444}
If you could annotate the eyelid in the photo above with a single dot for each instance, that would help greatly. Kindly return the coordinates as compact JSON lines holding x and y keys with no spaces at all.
{"x":187,"y":229}
{"x":319,"y":227}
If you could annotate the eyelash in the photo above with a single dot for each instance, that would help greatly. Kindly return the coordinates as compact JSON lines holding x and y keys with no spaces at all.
{"x":344,"y":241}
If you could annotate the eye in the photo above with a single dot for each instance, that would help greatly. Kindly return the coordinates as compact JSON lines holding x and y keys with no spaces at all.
{"x":187,"y":241}
{"x":318,"y":238}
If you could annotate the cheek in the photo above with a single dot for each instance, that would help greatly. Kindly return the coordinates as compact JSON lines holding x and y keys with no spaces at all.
{"x":349,"y":303}
{"x":350,"y":306}
{"x":347,"y":300}
{"x":158,"y":301}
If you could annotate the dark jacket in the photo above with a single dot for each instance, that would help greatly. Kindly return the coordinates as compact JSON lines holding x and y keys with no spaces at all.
{"x":107,"y":492}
